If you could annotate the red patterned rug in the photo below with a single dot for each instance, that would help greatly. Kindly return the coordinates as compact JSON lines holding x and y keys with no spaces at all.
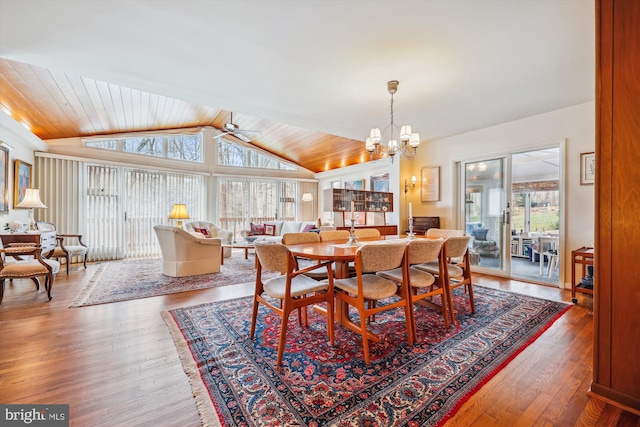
{"x":236,"y":383}
{"x":125,"y":280}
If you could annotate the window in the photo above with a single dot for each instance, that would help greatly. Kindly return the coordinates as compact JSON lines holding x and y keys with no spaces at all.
{"x":232,"y":154}
{"x":186,"y":147}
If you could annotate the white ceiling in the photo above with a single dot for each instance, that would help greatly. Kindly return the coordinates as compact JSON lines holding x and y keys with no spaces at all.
{"x":323,"y":65}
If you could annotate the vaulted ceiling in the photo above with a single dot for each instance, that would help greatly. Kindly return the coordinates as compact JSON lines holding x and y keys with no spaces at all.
{"x":310,"y":76}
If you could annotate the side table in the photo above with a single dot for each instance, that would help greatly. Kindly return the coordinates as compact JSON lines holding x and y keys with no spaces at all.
{"x":584,"y":257}
{"x":245,"y":246}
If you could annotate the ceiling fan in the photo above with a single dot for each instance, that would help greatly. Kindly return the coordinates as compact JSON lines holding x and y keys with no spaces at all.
{"x":233,"y":129}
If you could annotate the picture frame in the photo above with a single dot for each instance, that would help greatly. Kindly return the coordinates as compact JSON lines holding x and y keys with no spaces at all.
{"x":21,"y":181}
{"x":587,"y":168}
{"x":430,"y":184}
{"x":380,"y":182}
{"x":4,"y":176}
{"x":354,"y":185}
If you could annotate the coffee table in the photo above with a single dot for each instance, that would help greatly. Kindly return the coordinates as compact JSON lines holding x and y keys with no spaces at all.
{"x":242,"y":245}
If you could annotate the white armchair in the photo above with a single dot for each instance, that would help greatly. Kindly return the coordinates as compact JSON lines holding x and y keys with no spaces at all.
{"x":184,"y":254}
{"x":214,"y":231}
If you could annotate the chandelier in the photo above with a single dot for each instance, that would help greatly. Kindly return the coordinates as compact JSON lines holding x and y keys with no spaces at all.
{"x":379,"y":147}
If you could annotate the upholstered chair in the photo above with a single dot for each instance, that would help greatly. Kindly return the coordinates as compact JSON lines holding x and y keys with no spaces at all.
{"x":457,"y":271}
{"x":367,"y":286}
{"x":423,"y":286}
{"x":184,"y":254}
{"x":69,"y":246}
{"x":33,"y":267}
{"x":444,"y":233}
{"x":214,"y":231}
{"x":334,"y":235}
{"x":366,"y":233}
{"x":292,"y":290}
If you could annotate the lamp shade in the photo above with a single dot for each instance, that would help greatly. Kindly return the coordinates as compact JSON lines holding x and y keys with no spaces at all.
{"x":179,"y":211}
{"x":31,"y":199}
{"x":307,"y":197}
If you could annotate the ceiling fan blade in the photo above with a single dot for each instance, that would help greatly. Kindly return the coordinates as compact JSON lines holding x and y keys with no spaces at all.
{"x":249,"y":131}
{"x":223,"y":134}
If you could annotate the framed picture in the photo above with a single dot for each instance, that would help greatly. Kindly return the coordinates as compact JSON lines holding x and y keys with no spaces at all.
{"x":354,"y":185}
{"x":380,"y":182}
{"x":21,"y":181}
{"x":4,"y":177}
{"x":587,"y":168}
{"x":430,"y":184}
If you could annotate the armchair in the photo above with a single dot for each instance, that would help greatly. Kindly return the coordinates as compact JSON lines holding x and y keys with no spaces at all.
{"x":26,"y":268}
{"x":68,"y":246}
{"x":184,"y":254}
{"x":214,"y":231}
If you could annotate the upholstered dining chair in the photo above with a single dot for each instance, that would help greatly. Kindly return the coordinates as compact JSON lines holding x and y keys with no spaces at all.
{"x":423,"y":286}
{"x":328,"y":235}
{"x":32,"y":268}
{"x":364,"y":233}
{"x":372,"y":257}
{"x":456,"y":273}
{"x":69,"y":246}
{"x":304,"y":237}
{"x":444,"y":233}
{"x":292,"y":289}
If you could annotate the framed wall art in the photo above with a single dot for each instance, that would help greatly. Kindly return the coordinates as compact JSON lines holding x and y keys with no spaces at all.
{"x":587,"y":168}
{"x":430,"y":184}
{"x":21,"y":181}
{"x":4,"y":177}
{"x":380,"y":182}
{"x":354,"y":185}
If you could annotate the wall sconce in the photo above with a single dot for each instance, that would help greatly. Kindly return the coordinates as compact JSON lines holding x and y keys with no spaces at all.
{"x":179,"y":212}
{"x":410,"y":186}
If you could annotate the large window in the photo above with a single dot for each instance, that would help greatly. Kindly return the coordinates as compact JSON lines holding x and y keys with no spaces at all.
{"x":186,"y":146}
{"x":245,"y":201}
{"x":232,"y":154}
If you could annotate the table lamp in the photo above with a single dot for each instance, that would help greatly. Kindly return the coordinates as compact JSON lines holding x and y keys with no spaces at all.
{"x":179,"y":212}
{"x":30,"y":201}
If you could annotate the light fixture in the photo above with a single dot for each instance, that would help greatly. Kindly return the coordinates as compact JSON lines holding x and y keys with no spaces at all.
{"x":409,"y":141}
{"x":410,"y":186}
{"x":307,"y":197}
{"x":480,"y":166}
{"x":179,"y":212}
{"x":31,"y":200}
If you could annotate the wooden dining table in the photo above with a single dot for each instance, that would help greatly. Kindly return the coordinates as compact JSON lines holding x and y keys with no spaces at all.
{"x":341,"y":254}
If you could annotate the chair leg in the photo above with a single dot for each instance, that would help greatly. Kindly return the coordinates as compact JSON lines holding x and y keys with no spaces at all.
{"x":283,"y":332}
{"x":37,"y":282}
{"x":1,"y":290}
{"x":254,"y":316}
{"x":365,"y":338}
{"x":49,"y":284}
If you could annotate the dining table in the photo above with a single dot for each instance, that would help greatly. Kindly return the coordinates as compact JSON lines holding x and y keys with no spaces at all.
{"x":341,"y":253}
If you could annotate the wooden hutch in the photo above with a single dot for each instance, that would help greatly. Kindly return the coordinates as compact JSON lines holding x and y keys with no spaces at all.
{"x":370,"y":207}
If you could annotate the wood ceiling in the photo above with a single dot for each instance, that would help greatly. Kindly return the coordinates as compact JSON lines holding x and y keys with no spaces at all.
{"x":59,"y":105}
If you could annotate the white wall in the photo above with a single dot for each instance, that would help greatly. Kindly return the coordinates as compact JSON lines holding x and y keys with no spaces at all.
{"x":23,"y":143}
{"x":575,"y":124}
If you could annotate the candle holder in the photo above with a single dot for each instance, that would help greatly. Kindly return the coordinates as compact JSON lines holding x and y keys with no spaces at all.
{"x":411,"y":234}
{"x":352,"y":233}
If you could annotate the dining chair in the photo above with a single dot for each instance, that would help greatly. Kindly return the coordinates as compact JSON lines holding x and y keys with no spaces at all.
{"x":304,"y":237}
{"x":292,"y":289}
{"x":31,"y":268}
{"x":422,"y":285}
{"x":455,"y":273}
{"x":364,"y":233}
{"x":370,"y":258}
{"x":67,"y":247}
{"x":334,"y":235}
{"x":444,"y":232}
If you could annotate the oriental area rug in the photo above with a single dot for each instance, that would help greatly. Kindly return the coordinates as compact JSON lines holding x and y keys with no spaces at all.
{"x":125,"y":280}
{"x":236,"y":381}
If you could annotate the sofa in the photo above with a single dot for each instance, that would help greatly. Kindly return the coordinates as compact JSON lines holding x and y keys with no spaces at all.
{"x":185,"y":254}
{"x":276,"y":229}
{"x":213,"y":231}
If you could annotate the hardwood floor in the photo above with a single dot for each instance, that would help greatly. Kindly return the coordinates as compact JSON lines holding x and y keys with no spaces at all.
{"x":116,"y":365}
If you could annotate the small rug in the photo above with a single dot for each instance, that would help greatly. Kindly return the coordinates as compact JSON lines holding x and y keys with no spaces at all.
{"x":125,"y":280}
{"x":236,"y":382}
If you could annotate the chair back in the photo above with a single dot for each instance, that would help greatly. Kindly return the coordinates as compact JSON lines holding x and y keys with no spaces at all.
{"x":334,"y":235}
{"x":457,"y":246}
{"x":274,"y":256}
{"x":295,"y":238}
{"x":444,"y":233}
{"x":363,"y":233}
{"x":378,"y":256}
{"x":424,"y":250}
{"x":45,"y":226}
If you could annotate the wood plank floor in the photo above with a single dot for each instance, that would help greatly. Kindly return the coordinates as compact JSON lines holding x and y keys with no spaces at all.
{"x":116,"y":365}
